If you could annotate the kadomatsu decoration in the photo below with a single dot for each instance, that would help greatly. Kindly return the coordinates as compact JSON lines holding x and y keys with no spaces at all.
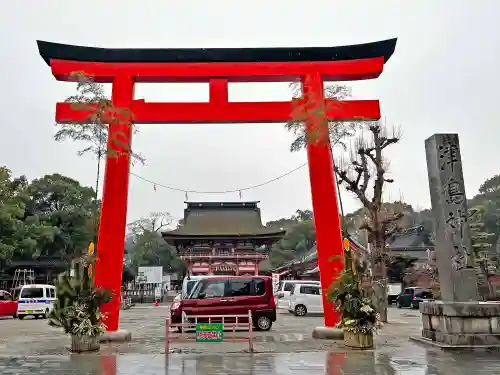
{"x":77,"y":306}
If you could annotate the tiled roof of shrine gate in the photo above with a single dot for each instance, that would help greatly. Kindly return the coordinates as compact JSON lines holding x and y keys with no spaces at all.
{"x":222,"y":220}
{"x":49,"y":51}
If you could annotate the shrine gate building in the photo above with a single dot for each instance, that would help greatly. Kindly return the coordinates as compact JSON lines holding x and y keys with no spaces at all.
{"x":223,"y":238}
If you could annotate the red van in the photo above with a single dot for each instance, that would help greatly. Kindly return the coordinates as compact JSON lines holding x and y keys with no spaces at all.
{"x":230,"y":295}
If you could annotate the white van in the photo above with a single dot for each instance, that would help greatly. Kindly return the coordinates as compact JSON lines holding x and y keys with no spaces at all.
{"x":36,"y":300}
{"x":284,"y":289}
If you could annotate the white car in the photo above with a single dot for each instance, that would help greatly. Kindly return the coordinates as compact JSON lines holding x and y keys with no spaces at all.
{"x":286,"y":287}
{"x":305,"y":299}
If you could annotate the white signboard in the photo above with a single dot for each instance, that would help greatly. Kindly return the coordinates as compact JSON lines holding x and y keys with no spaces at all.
{"x":158,"y":292}
{"x":276,"y":282}
{"x":153,"y":275}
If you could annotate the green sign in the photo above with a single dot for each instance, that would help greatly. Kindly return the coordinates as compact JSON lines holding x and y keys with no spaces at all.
{"x":210,"y":332}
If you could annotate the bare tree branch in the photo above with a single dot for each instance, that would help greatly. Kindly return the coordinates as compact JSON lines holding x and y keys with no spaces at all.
{"x":338,"y":131}
{"x":90,"y":97}
{"x":154,"y":222}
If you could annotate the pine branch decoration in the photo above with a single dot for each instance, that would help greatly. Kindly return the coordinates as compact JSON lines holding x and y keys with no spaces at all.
{"x":77,"y":307}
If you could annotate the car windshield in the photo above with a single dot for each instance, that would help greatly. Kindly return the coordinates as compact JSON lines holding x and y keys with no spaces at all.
{"x":194,"y":289}
{"x":208,"y":288}
{"x":4,"y":296}
{"x":32,"y":293}
{"x":423,"y":294}
{"x":189,"y":287}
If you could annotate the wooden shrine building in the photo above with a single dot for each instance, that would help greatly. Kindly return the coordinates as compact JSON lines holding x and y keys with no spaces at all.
{"x":223,"y":238}
{"x":42,"y":270}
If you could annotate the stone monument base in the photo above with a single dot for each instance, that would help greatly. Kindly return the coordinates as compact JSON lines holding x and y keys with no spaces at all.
{"x":461,"y":324}
{"x":328,"y":333}
{"x":116,"y":336}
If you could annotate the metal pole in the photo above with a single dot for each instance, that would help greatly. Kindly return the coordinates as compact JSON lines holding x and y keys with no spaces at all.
{"x":98,"y":176}
{"x":338,"y":192}
{"x":340,"y":196}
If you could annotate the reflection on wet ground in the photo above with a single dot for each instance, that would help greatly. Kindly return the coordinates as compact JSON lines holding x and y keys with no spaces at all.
{"x":409,"y":359}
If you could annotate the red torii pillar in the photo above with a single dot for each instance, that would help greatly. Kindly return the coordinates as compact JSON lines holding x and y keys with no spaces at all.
{"x":218,"y":67}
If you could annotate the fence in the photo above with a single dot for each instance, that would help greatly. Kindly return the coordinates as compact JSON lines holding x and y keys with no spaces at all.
{"x":191,"y":322}
{"x":142,"y":293}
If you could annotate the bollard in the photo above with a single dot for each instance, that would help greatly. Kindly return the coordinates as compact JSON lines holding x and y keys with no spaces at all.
{"x":250,"y":332}
{"x":167,"y":336}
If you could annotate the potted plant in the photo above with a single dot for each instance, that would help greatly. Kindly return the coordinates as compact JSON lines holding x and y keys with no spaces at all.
{"x":77,"y":306}
{"x":349,"y":293}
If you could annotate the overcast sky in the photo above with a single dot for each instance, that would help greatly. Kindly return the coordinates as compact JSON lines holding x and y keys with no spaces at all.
{"x":443,"y":77}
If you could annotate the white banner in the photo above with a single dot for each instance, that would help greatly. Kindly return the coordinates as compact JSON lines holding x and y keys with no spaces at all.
{"x":153,"y":275}
{"x":276,"y":282}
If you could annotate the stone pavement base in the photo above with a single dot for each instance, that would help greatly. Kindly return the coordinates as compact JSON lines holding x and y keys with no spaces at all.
{"x":448,"y":347}
{"x":116,"y":336}
{"x":328,"y":333}
{"x":461,"y":324}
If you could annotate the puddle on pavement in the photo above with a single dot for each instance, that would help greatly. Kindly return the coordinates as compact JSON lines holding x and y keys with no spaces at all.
{"x":409,"y":359}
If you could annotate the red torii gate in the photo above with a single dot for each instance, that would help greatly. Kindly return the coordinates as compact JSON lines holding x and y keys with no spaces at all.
{"x":219,"y":66}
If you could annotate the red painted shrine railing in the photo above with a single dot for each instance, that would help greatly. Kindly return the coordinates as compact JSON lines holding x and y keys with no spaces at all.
{"x":312,"y":66}
{"x":226,"y":256}
{"x":231,"y":323}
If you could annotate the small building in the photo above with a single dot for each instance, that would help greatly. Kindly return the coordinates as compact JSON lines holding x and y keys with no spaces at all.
{"x":412,"y":243}
{"x":42,"y":270}
{"x":223,"y":238}
{"x":313,"y":273}
{"x":299,"y":265}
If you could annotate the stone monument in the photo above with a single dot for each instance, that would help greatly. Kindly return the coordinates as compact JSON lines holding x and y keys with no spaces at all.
{"x":458,"y":319}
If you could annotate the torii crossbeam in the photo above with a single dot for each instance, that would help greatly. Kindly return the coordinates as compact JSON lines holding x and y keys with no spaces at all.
{"x":219,"y":66}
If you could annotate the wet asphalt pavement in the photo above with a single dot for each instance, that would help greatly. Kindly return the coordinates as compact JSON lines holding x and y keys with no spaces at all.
{"x":409,"y":360}
{"x":31,"y":347}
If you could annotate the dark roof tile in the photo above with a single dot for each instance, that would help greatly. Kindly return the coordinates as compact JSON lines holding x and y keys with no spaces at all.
{"x":222,"y":219}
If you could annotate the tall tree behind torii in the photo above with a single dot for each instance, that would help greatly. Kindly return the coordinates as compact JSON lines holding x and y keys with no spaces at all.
{"x":367,"y":170}
{"x":366,"y":167}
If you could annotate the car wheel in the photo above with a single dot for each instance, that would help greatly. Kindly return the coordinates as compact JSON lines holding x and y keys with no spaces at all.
{"x":398,"y":304}
{"x":263,"y":323}
{"x":21,"y":317}
{"x":415,"y":306}
{"x":300,"y":310}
